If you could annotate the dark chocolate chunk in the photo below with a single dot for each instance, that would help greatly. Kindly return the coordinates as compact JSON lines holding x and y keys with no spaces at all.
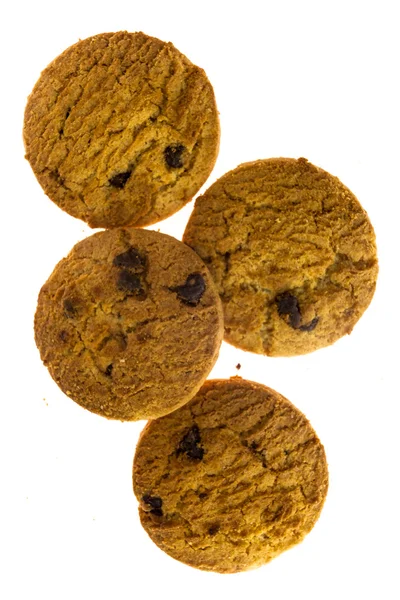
{"x":310,"y":326}
{"x":213,"y":529}
{"x":289,"y":305}
{"x":189,"y":444}
{"x":119,"y":180}
{"x":131,"y":259}
{"x":192,"y":290}
{"x":108,"y":370}
{"x":69,"y":309}
{"x":174,"y":155}
{"x":130,"y":282}
{"x":155,"y":502}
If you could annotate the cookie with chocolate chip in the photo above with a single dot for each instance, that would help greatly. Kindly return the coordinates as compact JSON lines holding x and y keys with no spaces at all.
{"x":129,"y":324}
{"x":292,"y":253}
{"x":121,"y":129}
{"x":231,"y":479}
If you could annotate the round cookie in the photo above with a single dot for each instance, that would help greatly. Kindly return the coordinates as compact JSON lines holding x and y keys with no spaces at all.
{"x":231,"y":479}
{"x":292,"y":253}
{"x":121,"y":129}
{"x":129,"y":324}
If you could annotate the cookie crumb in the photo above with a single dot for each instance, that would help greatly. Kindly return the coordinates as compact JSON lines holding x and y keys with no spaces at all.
{"x":238,"y":366}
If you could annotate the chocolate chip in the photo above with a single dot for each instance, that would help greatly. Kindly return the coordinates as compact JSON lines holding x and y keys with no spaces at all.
{"x":108,"y":370}
{"x":289,"y":305}
{"x":129,"y":282}
{"x":189,"y":444}
{"x":192,"y":290}
{"x":173,"y":155}
{"x":238,"y":366}
{"x":131,"y":259}
{"x":310,"y":326}
{"x":119,"y":180}
{"x":155,"y":502}
{"x":213,"y":529}
{"x":69,"y":309}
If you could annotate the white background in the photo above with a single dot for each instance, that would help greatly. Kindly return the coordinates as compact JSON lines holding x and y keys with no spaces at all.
{"x":318,"y":80}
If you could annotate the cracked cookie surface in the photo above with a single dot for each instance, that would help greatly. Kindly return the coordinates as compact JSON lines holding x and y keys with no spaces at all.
{"x":231,"y":479}
{"x":121,"y":129}
{"x":292,"y":253}
{"x":115,"y":331}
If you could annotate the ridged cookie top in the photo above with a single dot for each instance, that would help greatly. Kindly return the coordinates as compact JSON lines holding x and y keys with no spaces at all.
{"x":129,"y":324}
{"x":292,"y":252}
{"x":230,"y":480}
{"x":121,"y":129}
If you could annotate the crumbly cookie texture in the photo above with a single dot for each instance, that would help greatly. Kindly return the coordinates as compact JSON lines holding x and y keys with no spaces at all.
{"x":121,"y":129}
{"x":292,"y":253}
{"x":129,"y":324}
{"x":230,"y":480}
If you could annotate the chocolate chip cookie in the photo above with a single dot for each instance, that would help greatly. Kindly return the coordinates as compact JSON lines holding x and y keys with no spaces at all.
{"x":121,"y":129}
{"x":231,"y":479}
{"x":292,"y":253}
{"x":129,"y":324}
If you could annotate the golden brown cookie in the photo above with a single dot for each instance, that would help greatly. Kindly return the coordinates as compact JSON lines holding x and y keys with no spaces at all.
{"x":121,"y":129}
{"x":129,"y":324}
{"x":292,"y":252}
{"x":231,"y":479}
